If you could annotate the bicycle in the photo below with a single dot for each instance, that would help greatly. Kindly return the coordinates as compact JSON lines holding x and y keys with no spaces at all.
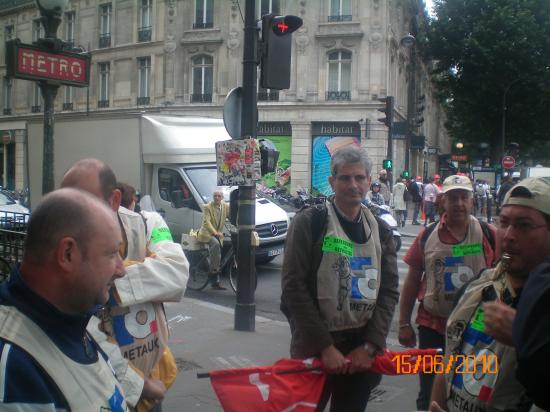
{"x":199,"y":263}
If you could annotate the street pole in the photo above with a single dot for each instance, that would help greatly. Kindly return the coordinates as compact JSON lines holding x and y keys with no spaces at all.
{"x":49,"y":92}
{"x":389,"y":153}
{"x":411,"y":107}
{"x":245,"y":308}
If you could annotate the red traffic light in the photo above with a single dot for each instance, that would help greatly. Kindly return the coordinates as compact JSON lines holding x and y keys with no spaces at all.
{"x":283,"y":25}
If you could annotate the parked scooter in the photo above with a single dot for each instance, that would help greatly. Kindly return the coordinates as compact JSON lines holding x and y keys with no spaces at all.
{"x":384,"y":213}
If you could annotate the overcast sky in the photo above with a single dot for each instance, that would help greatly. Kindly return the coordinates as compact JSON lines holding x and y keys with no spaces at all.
{"x":429,"y":4}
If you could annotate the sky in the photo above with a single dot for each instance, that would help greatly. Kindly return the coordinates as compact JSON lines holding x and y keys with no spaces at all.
{"x":429,"y":5}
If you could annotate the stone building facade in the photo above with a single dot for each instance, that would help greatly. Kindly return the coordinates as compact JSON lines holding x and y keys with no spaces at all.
{"x":182,"y":57}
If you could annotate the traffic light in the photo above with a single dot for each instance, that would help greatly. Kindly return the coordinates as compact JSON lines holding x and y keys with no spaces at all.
{"x":405,"y":174}
{"x":420,"y":107}
{"x":387,"y":164}
{"x":387,"y":110}
{"x":276,"y":48}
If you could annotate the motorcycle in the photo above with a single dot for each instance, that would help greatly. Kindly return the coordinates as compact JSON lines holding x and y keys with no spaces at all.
{"x":384,"y":213}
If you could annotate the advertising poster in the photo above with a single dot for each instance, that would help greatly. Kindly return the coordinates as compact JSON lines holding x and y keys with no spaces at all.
{"x":323,"y":148}
{"x":281,"y":177}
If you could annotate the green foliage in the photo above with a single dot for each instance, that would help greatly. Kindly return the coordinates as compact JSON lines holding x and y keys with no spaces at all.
{"x":488,"y":50}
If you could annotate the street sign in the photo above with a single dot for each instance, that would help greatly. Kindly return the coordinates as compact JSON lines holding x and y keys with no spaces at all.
{"x":29,"y":62}
{"x":459,"y":158}
{"x":399,"y":130}
{"x":508,"y":162}
{"x":433,"y":150}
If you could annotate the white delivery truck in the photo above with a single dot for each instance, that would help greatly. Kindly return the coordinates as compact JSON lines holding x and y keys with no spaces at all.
{"x":536,"y":171}
{"x":170,"y":158}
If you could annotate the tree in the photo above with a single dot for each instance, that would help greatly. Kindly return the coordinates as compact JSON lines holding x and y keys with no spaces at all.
{"x":487,"y":52}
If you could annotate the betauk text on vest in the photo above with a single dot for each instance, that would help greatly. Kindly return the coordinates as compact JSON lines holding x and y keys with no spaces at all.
{"x":142,"y":350}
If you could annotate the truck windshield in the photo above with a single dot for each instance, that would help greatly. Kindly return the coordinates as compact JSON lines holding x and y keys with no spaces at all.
{"x":204,"y":180}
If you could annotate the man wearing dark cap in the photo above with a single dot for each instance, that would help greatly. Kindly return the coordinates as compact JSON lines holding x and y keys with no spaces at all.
{"x":480,"y":326}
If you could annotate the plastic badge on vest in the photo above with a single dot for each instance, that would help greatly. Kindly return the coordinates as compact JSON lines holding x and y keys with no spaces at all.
{"x":364,"y":281}
{"x":338,"y":245}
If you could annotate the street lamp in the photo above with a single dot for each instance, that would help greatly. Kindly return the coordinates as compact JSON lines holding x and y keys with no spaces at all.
{"x":409,"y":42}
{"x":459,"y":146}
{"x":51,"y":12}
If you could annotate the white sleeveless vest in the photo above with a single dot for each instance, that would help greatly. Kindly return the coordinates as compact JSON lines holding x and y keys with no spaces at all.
{"x":449,"y":267}
{"x":140,"y":330}
{"x":348,"y":277}
{"x":85,"y":387}
{"x":476,"y":382}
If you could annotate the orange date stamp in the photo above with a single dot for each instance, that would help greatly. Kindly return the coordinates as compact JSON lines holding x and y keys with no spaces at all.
{"x":483,"y":363}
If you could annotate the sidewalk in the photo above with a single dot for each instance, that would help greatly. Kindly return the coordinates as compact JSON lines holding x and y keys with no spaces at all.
{"x":203,"y":339}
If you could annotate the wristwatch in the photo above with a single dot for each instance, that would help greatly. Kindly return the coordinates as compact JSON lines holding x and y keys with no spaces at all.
{"x":371,"y":350}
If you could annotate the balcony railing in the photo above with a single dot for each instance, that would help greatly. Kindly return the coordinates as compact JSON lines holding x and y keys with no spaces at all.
{"x":340,"y":17}
{"x":144,"y":34}
{"x":36,"y":109}
{"x":339,"y":95}
{"x":7,"y":111}
{"x":102,"y":103}
{"x":104,"y":40}
{"x":143,"y":101}
{"x":201,"y":98}
{"x":272,"y":96}
{"x":203,"y":25}
{"x":67,"y":106}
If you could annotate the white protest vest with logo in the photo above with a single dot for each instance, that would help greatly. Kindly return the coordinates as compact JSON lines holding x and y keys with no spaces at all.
{"x":86,"y":388}
{"x":449,"y":267}
{"x":140,"y":330}
{"x":484,"y":376}
{"x":348,"y":277}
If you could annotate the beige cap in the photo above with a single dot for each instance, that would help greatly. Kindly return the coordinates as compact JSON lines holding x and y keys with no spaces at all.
{"x":456,"y":182}
{"x":532,"y":192}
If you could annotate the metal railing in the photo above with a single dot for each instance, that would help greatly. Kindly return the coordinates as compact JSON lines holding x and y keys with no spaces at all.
{"x":143,"y":101}
{"x":67,"y":106}
{"x":203,"y":25}
{"x":339,"y":95}
{"x":201,"y":98}
{"x":102,"y":103}
{"x":144,"y":34}
{"x":7,"y":111}
{"x":36,"y":109}
{"x":104,"y":40}
{"x":340,"y":17}
{"x":13,"y":233}
{"x":268,"y":96}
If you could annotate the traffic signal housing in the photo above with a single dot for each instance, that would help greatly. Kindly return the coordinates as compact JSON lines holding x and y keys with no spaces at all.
{"x":387,"y":110}
{"x":276,"y":50}
{"x":387,"y":164}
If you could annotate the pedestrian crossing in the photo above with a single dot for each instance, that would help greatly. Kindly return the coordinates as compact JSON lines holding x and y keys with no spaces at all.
{"x":402,"y":267}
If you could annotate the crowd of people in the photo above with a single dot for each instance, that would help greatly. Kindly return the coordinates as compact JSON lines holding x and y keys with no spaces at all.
{"x":84,"y":327}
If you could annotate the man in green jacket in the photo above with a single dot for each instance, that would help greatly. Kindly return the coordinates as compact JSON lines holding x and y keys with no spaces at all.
{"x":340,"y":284}
{"x":211,"y":232}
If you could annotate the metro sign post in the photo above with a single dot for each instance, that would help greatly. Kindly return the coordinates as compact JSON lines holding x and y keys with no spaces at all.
{"x":508,"y":162}
{"x":51,"y":67}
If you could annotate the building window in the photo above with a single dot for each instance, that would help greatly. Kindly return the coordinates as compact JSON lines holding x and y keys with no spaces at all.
{"x":7,"y":95}
{"x":339,"y":75}
{"x":144,"y":73}
{"x":68,"y":95}
{"x":268,"y":7}
{"x":105,"y":11}
{"x":9,"y":32}
{"x":37,"y":32}
{"x":202,"y":79}
{"x":36,"y":98}
{"x":69,"y":27}
{"x":340,"y":10}
{"x":204,"y":14}
{"x":103,"y":100}
{"x":144,"y":24}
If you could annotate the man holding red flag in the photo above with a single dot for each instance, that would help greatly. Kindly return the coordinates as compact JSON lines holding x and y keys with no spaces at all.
{"x":340,"y":284}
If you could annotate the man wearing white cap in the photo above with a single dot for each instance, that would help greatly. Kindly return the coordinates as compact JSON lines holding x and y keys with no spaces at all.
{"x":443,"y":257}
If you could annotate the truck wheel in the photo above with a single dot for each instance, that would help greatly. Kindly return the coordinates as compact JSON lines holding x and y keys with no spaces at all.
{"x":199,"y":268}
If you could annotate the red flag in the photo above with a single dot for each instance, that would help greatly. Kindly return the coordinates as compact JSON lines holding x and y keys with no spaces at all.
{"x":289,"y":384}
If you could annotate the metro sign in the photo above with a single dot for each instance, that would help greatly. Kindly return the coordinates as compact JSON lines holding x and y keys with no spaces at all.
{"x":31,"y":62}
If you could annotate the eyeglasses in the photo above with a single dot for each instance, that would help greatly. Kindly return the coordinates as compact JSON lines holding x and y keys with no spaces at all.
{"x":522,"y":227}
